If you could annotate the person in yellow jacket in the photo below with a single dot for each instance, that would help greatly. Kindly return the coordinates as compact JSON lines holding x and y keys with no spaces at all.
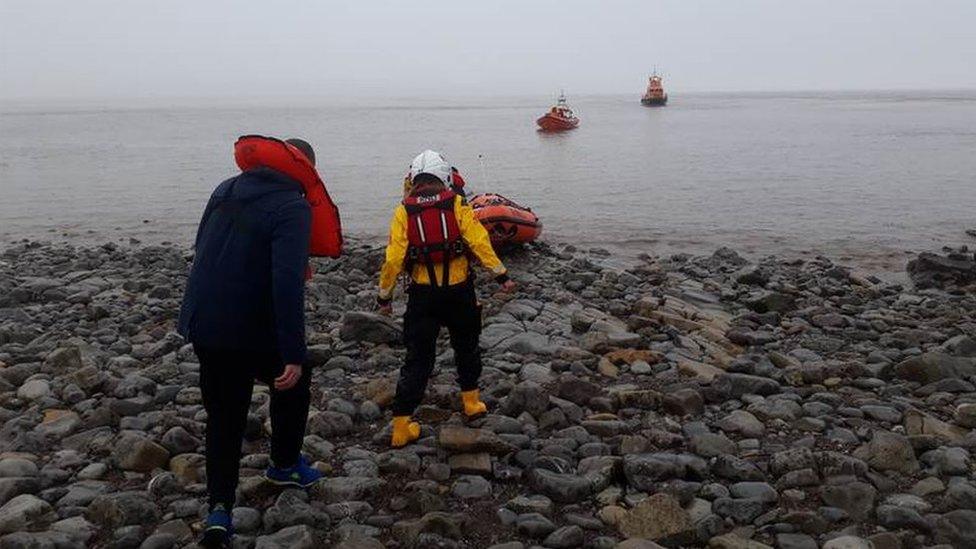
{"x":432,"y":235}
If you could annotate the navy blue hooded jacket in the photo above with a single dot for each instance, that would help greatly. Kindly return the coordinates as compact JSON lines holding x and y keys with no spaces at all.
{"x":247,"y":287}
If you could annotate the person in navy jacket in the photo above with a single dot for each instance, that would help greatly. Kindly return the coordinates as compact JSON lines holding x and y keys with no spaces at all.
{"x":244,"y":313}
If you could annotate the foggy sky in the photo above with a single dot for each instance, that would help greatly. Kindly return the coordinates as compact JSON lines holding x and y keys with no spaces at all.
{"x":218,"y":48}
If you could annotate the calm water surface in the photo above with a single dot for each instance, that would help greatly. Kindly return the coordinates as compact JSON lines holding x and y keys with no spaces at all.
{"x":865,"y":176}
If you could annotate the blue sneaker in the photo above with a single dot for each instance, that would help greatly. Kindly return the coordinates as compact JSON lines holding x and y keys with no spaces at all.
{"x":301,"y":475}
{"x":219,"y":530}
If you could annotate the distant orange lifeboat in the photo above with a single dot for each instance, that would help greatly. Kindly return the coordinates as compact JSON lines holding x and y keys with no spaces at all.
{"x":559,"y":118}
{"x":655,"y":95}
{"x":506,"y":221}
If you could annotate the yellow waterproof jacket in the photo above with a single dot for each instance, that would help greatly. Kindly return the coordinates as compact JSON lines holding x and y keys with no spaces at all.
{"x":475,"y":238}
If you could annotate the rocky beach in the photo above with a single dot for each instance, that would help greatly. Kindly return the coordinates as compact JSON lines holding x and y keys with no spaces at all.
{"x":684,"y":401}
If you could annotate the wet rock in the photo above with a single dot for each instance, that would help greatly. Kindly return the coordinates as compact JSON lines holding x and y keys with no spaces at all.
{"x":370,"y":327}
{"x":292,"y":508}
{"x":34,"y":389}
{"x":338,"y":489}
{"x":293,"y":537}
{"x":58,"y":424}
{"x":471,"y":487}
{"x":948,"y":461}
{"x":684,"y":402}
{"x":639,"y":399}
{"x":957,"y":528}
{"x":711,"y":444}
{"x":15,"y":486}
{"x":329,"y":424}
{"x":118,"y":509}
{"x":246,"y":520}
{"x":966,"y":415}
{"x":178,"y":440}
{"x":17,"y":467}
{"x":889,"y":451}
{"x":657,"y":517}
{"x":476,"y":464}
{"x":776,"y":302}
{"x":531,"y":504}
{"x":857,"y":498}
{"x":930,"y":270}
{"x":525,"y":397}
{"x":919,"y":423}
{"x":187,"y":467}
{"x":30,"y":540}
{"x":732,"y":541}
{"x":25,"y":512}
{"x":634,"y":543}
{"x":755,"y":490}
{"x":894,"y":517}
{"x":64,"y":359}
{"x":742,"y":511}
{"x":644,"y":471}
{"x":795,"y":541}
{"x":847,"y":542}
{"x":82,"y":493}
{"x":135,"y":452}
{"x":735,"y":468}
{"x":562,"y":487}
{"x":737,"y":385}
{"x":447,"y":525}
{"x":359,"y":543}
{"x":534,"y":525}
{"x":565,"y":538}
{"x":934,"y":366}
{"x":752,"y":274}
{"x":742,"y":422}
{"x":466,"y":441}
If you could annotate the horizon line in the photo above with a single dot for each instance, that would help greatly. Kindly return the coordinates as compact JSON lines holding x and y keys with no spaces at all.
{"x":238,"y":99}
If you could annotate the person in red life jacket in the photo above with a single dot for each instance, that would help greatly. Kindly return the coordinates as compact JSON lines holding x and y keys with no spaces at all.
{"x":432,"y":235}
{"x":243,"y":311}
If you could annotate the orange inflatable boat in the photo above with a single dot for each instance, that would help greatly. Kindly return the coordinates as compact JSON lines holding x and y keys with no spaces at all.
{"x":506,"y":221}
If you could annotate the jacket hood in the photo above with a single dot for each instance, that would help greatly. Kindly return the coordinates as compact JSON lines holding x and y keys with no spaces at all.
{"x":257,"y":183}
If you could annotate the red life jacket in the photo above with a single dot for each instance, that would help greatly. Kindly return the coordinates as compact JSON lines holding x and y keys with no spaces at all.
{"x":255,"y":151}
{"x":433,"y":232}
{"x":457,"y":182}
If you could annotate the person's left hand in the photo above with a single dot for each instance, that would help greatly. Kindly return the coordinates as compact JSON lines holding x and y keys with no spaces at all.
{"x":288,"y":378}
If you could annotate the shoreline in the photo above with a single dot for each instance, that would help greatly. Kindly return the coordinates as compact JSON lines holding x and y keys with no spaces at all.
{"x":695,"y":400}
{"x":884,"y":260}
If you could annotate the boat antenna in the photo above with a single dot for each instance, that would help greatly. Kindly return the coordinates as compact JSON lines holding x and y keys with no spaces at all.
{"x":484,"y":173}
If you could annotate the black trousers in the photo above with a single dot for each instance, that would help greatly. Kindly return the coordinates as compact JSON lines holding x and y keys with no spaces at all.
{"x":226,"y":382}
{"x":455,"y":307}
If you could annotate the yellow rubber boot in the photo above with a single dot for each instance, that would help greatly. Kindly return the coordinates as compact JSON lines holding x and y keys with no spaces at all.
{"x":473,"y":407}
{"x":404,"y":431}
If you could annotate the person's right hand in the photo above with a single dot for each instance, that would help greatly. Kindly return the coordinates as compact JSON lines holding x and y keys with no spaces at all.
{"x":509,"y":286}
{"x":386,"y":310}
{"x":288,"y":378}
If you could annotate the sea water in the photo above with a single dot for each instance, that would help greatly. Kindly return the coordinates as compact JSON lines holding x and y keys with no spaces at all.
{"x":864,"y":176}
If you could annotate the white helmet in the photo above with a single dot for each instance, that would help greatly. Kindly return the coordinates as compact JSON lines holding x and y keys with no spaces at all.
{"x":431,"y":162}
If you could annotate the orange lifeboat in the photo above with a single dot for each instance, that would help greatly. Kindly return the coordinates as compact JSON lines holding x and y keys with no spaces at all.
{"x":655,"y":95}
{"x":559,"y":118}
{"x":506,"y":221}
